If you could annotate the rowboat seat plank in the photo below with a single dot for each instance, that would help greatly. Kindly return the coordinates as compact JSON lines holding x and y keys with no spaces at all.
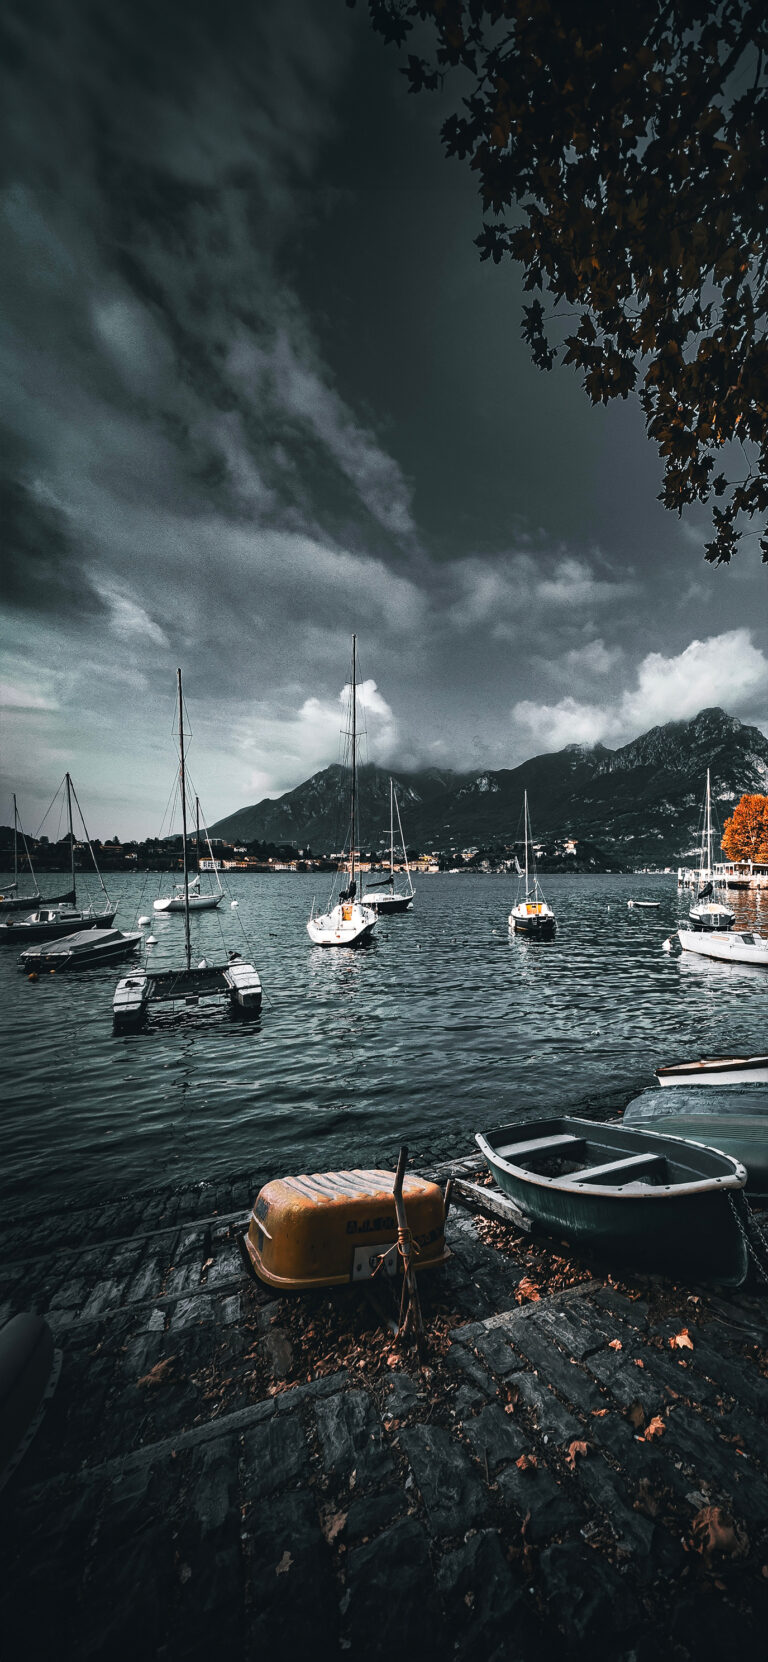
{"x":630,"y":1163}
{"x":564,"y":1140}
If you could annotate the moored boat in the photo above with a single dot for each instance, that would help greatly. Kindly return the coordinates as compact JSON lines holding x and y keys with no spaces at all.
{"x":645,"y":905}
{"x":530,"y":915}
{"x":83,"y":950}
{"x":640,"y":1195}
{"x":382,"y":894}
{"x":50,"y":921}
{"x":349,"y":922}
{"x":706,"y":913}
{"x":736,"y":946}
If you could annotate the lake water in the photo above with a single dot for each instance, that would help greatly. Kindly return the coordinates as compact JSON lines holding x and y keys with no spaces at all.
{"x":445,"y":1025}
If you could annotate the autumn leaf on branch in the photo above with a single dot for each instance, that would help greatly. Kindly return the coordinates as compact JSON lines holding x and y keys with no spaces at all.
{"x":620,"y":156}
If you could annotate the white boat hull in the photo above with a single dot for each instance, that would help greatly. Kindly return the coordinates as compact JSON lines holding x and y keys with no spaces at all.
{"x":386,"y":902}
{"x":717,"y":1070}
{"x":734,"y":947}
{"x":344,"y":925}
{"x":532,"y":918}
{"x":197,"y":903}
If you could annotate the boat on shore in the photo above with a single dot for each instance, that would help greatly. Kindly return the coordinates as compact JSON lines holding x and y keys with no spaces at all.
{"x":530,"y":915}
{"x":83,"y":950}
{"x":65,"y":917}
{"x":638,"y":1194}
{"x":349,"y":922}
{"x":382,"y":894}
{"x":730,"y":1118}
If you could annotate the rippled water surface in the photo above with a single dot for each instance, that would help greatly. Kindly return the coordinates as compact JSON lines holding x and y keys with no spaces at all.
{"x":445,"y":1025}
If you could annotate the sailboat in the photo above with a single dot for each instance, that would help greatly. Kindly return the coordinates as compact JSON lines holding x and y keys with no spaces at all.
{"x":382,"y":895}
{"x":62,"y":918}
{"x":10,"y":899}
{"x":531,"y":915}
{"x":706,"y":913}
{"x":235,"y":980}
{"x":348,"y":923}
{"x":193,"y":898}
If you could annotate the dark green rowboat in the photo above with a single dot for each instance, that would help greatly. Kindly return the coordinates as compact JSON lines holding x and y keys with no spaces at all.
{"x":733,"y":1118}
{"x":642,"y":1196}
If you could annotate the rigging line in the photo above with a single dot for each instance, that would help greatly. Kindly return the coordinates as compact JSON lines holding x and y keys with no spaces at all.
{"x":88,"y":840}
{"x":58,"y":789}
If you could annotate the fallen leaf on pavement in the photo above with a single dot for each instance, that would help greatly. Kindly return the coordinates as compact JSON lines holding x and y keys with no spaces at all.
{"x":526,"y":1463}
{"x":527,"y":1289}
{"x":615,"y":1344}
{"x":285,"y":1563}
{"x":158,"y":1374}
{"x":575,"y":1448}
{"x":714,"y":1531}
{"x":656,"y":1428}
{"x":681,"y":1340}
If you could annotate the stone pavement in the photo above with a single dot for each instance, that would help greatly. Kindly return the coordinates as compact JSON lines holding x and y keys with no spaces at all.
{"x":223,"y":1472}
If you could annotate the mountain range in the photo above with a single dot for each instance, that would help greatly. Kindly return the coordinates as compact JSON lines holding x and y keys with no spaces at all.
{"x":641,"y":804}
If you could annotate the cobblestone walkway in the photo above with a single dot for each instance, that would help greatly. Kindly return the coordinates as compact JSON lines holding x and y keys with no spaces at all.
{"x":573,"y":1478}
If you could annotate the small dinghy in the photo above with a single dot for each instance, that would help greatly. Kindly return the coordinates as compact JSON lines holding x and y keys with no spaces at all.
{"x":330,"y":1228}
{"x":738,"y":947}
{"x":652,"y":1199}
{"x":644,"y":905}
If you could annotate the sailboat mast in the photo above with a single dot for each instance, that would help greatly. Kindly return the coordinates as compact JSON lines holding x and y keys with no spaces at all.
{"x":68,"y":783}
{"x":353,"y":804}
{"x":182,"y":779}
{"x":197,"y":834}
{"x":708,"y":873}
{"x":15,"y":849}
{"x":391,"y":834}
{"x":525,"y":828}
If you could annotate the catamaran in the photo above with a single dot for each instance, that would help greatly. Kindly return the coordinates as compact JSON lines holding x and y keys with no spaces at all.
{"x":531,"y":915}
{"x":235,"y":979}
{"x":706,"y":913}
{"x":382,"y":894}
{"x":62,"y":918}
{"x":348,"y":923}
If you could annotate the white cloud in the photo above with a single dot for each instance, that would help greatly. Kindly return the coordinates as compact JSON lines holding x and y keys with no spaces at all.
{"x":504,"y":593}
{"x":727,"y":670}
{"x":593,"y":659}
{"x":127,"y":617}
{"x":16,"y":697}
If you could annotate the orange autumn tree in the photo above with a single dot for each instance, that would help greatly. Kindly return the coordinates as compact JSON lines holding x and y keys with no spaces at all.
{"x":745,"y":834}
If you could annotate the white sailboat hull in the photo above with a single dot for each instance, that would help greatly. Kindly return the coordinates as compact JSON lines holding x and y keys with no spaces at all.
{"x":731,"y":948}
{"x":197,"y":903}
{"x":344,"y":925}
{"x":532,"y":917}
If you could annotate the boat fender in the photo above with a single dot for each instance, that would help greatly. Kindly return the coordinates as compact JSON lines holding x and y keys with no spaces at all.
{"x":32,"y":976}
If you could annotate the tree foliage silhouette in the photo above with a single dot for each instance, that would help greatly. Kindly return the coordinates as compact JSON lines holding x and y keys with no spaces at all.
{"x":745,"y":834}
{"x":621,"y":159}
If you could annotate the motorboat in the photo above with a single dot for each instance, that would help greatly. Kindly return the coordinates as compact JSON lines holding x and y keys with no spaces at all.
{"x":737,"y":946}
{"x":83,"y":950}
{"x":382,"y":894}
{"x":706,"y":913}
{"x":531,"y":915}
{"x":637,"y":1194}
{"x":349,"y":922}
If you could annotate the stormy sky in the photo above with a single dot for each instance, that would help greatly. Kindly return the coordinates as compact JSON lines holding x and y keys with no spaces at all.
{"x":258,"y":392}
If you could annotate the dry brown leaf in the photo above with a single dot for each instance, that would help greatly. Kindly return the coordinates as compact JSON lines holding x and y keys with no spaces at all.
{"x":527,"y":1289}
{"x":158,"y":1374}
{"x":575,"y":1448}
{"x":638,"y":1361}
{"x":332,"y":1525}
{"x":285,"y":1563}
{"x":598,"y":1413}
{"x":714,"y":1531}
{"x":656,"y":1428}
{"x":681,"y":1340}
{"x":615,"y":1344}
{"x":636,"y":1415}
{"x":207,"y":1264}
{"x":527,"y":1463}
